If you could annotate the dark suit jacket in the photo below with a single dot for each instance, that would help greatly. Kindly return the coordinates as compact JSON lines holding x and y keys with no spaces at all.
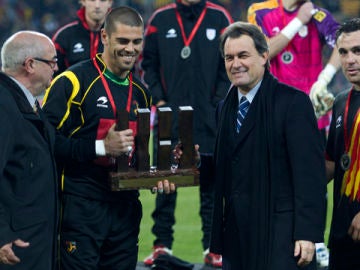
{"x":28,"y":187}
{"x":270,"y":179}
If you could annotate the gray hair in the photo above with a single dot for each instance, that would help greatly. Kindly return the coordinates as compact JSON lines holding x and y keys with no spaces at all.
{"x":18,"y":47}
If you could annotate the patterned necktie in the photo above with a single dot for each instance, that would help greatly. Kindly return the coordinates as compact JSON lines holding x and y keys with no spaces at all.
{"x":36,"y":106}
{"x":243,"y":109}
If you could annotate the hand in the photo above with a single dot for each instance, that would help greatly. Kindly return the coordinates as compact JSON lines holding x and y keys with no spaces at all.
{"x":305,"y":250}
{"x":177,"y":152}
{"x":321,"y":98}
{"x":306,"y":11}
{"x":160,"y":103}
{"x":163,"y":187}
{"x":118,"y":142}
{"x":7,"y":255}
{"x":354,"y":230}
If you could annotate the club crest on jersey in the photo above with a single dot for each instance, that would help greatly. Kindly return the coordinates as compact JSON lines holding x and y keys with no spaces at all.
{"x":210,"y":33}
{"x":70,"y":246}
{"x":339,"y":121}
{"x":319,"y":16}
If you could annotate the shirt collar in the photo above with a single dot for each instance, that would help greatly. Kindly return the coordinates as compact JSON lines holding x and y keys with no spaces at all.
{"x":251,"y":94}
{"x":27,"y":93}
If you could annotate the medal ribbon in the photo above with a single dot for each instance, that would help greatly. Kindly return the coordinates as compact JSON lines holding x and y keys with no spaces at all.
{"x":187,"y":41}
{"x":108,"y":92}
{"x":351,"y":178}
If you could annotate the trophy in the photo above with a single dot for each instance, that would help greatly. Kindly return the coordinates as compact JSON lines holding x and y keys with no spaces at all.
{"x":140,"y":175}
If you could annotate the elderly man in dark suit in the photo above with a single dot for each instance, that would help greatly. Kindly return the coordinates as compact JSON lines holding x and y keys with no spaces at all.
{"x":270,"y":170}
{"x":28,"y":187}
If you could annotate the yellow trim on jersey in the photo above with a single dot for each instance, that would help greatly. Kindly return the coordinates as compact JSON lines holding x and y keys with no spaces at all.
{"x":76,"y":88}
{"x":143,"y":92}
{"x":270,"y":4}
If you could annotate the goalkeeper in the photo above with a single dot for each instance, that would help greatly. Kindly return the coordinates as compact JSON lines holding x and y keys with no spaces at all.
{"x":297,"y":32}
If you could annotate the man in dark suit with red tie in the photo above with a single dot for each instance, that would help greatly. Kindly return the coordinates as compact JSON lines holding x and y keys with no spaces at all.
{"x":269,"y":162}
{"x":28,"y":186}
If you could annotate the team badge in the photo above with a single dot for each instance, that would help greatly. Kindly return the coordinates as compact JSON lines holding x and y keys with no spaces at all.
{"x":345,"y":161}
{"x":287,"y":57}
{"x":210,"y":33}
{"x":70,"y":246}
{"x":319,"y":16}
{"x":339,"y":121}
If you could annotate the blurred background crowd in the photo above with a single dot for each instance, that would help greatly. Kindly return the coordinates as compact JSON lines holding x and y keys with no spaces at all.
{"x":48,"y":15}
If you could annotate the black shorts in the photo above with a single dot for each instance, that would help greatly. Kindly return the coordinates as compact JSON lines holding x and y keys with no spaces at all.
{"x":99,"y":235}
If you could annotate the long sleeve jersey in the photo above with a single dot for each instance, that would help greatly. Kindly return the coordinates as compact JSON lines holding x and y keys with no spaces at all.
{"x":200,"y":80}
{"x":78,"y":105}
{"x":75,"y":42}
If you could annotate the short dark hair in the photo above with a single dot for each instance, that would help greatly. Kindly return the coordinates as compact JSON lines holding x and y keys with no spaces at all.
{"x":348,"y":26}
{"x":124,"y":15}
{"x":237,"y":29}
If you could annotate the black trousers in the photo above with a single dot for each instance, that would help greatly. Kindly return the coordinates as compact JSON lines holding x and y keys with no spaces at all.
{"x":164,"y":213}
{"x":99,"y":235}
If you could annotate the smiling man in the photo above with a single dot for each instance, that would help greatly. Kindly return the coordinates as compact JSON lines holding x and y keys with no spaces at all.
{"x":269,"y":167}
{"x":99,"y":228}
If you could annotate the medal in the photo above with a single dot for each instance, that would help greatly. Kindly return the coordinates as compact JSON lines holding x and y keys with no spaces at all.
{"x":345,"y":161}
{"x":287,"y":57}
{"x":185,"y":52}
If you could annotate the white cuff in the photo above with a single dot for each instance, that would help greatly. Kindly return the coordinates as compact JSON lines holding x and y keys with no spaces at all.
{"x":290,"y":30}
{"x":100,"y":148}
{"x":327,"y":74}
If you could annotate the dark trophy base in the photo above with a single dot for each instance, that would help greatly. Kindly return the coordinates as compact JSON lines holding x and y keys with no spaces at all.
{"x":147,"y":180}
{"x":141,"y":176}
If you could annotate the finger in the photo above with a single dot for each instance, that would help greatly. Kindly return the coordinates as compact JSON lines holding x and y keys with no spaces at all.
{"x":172,"y":187}
{"x":13,"y":259}
{"x":296,"y":249}
{"x":314,"y":11}
{"x":153,"y":190}
{"x":160,"y":187}
{"x":127,"y":132}
{"x":356,"y":237}
{"x":303,"y":258}
{"x":112,"y":128}
{"x":166,"y":187}
{"x":315,"y":102}
{"x":21,"y":243}
{"x":197,"y":147}
{"x":10,"y":257}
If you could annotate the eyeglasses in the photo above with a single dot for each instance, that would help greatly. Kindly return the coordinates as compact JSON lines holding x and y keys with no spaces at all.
{"x":51,"y":63}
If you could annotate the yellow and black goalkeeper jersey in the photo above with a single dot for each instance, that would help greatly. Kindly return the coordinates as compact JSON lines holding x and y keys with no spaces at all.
{"x":78,"y":105}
